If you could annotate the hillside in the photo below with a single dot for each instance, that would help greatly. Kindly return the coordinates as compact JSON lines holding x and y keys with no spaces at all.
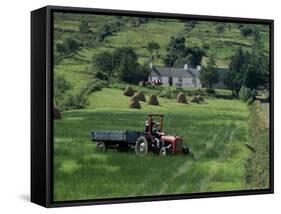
{"x":137,"y":35}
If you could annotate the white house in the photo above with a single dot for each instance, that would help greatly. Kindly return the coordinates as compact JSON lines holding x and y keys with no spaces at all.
{"x":183,"y":77}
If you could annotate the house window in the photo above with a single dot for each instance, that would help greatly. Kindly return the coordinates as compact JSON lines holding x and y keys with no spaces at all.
{"x":180,"y":79}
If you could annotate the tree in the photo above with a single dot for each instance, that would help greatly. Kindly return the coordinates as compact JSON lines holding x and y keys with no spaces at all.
{"x":84,"y":27}
{"x":189,"y":25}
{"x":103,"y":31}
{"x":195,"y":55}
{"x":220,"y":28}
{"x":258,"y":69}
{"x":176,"y":46}
{"x":126,"y":64}
{"x":176,"y":49}
{"x":104,"y":65}
{"x":72,"y":44}
{"x":238,"y":65}
{"x":153,"y":49}
{"x":209,"y":75}
{"x":246,"y":31}
{"x":68,"y":46}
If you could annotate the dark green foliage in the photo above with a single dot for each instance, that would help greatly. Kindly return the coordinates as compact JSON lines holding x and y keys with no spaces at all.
{"x":246,"y":31}
{"x":189,"y":25}
{"x":61,"y":86}
{"x":95,"y":85}
{"x":259,"y":64}
{"x":257,"y":166}
{"x":69,"y":46}
{"x":249,"y":69}
{"x":127,"y":67}
{"x":176,"y":46}
{"x":84,"y":27}
{"x":238,"y":65}
{"x":153,"y":49}
{"x":103,"y":31}
{"x":72,"y":44}
{"x":170,"y":59}
{"x":137,"y":21}
{"x":246,"y":94}
{"x":220,"y":28}
{"x":209,"y":75}
{"x":179,"y":54}
{"x":122,"y":64}
{"x":75,"y":101}
{"x":251,"y":78}
{"x":195,"y":55}
{"x":103,"y":65}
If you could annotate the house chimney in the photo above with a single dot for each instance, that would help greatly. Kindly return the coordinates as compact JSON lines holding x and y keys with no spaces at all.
{"x":151,"y":65}
{"x":185,"y":67}
{"x":198,"y":67}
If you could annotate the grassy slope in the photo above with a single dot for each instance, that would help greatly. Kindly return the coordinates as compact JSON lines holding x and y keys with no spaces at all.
{"x":223,"y":45}
{"x":215,"y":133}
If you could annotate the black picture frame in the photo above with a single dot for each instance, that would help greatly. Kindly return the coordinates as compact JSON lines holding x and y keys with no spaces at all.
{"x":42,"y":104}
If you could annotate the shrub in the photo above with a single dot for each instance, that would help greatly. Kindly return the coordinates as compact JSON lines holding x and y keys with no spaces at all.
{"x":246,"y":94}
{"x":95,"y":85}
{"x":246,"y":31}
{"x":257,"y":166}
{"x":75,"y":101}
{"x":166,"y":94}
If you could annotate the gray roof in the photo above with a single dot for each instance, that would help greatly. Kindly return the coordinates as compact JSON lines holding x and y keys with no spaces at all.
{"x":180,"y":72}
{"x":175,"y":72}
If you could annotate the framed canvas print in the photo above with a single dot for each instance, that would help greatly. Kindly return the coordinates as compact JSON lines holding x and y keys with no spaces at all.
{"x":134,"y":106}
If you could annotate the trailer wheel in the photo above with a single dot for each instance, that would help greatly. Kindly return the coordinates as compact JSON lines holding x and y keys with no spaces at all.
{"x":101,"y":147}
{"x":141,"y":147}
{"x":163,"y":151}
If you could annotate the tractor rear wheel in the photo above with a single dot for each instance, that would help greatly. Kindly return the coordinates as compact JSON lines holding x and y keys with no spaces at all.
{"x":141,"y":146}
{"x":101,"y":147}
{"x":163,"y":151}
{"x":185,"y":151}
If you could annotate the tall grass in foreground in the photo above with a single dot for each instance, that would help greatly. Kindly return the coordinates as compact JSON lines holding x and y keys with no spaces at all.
{"x":257,"y":166}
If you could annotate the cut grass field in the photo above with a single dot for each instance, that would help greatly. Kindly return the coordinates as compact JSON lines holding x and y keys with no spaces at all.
{"x":215,"y":132}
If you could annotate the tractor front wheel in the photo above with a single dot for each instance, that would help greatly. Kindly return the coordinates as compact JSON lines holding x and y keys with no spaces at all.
{"x":163,"y":151}
{"x":101,"y":147}
{"x":141,"y":146}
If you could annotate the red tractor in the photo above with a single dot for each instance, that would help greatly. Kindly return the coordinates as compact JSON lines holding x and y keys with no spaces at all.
{"x":155,"y":140}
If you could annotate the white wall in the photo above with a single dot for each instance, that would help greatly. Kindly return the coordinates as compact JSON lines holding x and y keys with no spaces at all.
{"x":15,"y":108}
{"x":187,"y":82}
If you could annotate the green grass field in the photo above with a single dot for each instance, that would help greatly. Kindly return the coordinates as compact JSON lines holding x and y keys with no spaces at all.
{"x":214,"y":132}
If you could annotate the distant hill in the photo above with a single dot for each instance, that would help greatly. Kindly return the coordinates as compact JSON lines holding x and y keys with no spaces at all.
{"x":137,"y":32}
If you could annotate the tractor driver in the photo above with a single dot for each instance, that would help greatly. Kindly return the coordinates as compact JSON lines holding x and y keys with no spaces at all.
{"x":154,"y":127}
{"x":149,"y":123}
